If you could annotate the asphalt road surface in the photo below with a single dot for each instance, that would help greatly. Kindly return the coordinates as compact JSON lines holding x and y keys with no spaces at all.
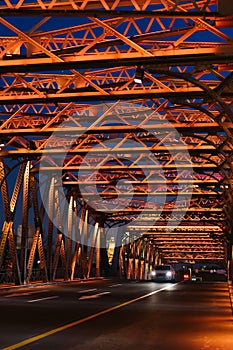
{"x":118,"y":315}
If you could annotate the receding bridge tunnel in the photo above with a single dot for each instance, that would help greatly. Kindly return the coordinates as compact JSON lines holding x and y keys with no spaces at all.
{"x":116,"y":145}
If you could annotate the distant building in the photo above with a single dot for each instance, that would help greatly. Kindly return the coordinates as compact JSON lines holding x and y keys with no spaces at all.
{"x":29,"y":238}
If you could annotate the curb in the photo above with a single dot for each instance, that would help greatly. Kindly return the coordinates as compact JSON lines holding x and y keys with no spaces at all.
{"x":46,"y":284}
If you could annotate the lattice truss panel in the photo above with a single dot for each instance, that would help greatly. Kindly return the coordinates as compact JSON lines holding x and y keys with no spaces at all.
{"x":153,"y":157}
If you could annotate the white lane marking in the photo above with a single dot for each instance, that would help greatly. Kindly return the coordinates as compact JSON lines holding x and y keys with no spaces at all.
{"x":87,"y":290}
{"x":93,"y":296}
{"x":115,"y":285}
{"x":26,"y":293}
{"x":42,"y":299}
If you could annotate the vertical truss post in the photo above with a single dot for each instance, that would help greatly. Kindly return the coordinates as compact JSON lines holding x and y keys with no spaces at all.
{"x":142,"y":269}
{"x":69,"y":240}
{"x":77,"y":235}
{"x":42,"y":258}
{"x":103,"y":251}
{"x":128,"y":255}
{"x":50,"y":229}
{"x":97,"y":271}
{"x":130,"y":268}
{"x":139,"y":248}
{"x":121,"y":261}
{"x":84,"y":249}
{"x":5,"y":199}
{"x":134,"y":258}
{"x":17,"y":187}
{"x":79,"y":259}
{"x":146,"y":261}
{"x":125,"y":259}
{"x":5,"y":231}
{"x":140,"y":264}
{"x":24,"y":237}
{"x":150,"y":258}
{"x":142,"y":260}
{"x":32,"y":252}
{"x":56,"y":255}
{"x":136,"y":268}
{"x":116,"y":254}
{"x":74,"y":259}
{"x":14,"y":255}
{"x":59,"y":249}
{"x":63,"y":260}
{"x":3,"y":240}
{"x":137,"y":245}
{"x":4,"y":190}
{"x":91,"y":253}
{"x":130,"y":261}
{"x":146,"y":275}
{"x":156,"y":257}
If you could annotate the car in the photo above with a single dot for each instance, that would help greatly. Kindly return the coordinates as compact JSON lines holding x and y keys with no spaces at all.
{"x":186,"y":276}
{"x":164,"y":273}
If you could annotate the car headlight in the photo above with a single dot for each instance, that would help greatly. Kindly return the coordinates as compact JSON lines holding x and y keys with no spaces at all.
{"x":153,"y":273}
{"x":169,"y":274}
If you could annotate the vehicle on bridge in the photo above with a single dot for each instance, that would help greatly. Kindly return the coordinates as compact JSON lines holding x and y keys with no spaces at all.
{"x":163,"y":273}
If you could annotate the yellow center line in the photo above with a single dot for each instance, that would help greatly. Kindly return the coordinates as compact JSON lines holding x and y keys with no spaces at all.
{"x":85,"y":319}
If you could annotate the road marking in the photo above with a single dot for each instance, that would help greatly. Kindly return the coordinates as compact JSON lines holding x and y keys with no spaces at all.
{"x":115,"y":285}
{"x":87,"y":290}
{"x":42,"y":299}
{"x":85,"y":319}
{"x":93,"y":296}
{"x":26,"y":293}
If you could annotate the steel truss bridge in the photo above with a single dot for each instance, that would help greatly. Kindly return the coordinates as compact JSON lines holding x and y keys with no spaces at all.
{"x":91,"y":158}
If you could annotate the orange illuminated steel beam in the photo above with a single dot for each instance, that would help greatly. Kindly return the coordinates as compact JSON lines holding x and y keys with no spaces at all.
{"x":138,"y":5}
